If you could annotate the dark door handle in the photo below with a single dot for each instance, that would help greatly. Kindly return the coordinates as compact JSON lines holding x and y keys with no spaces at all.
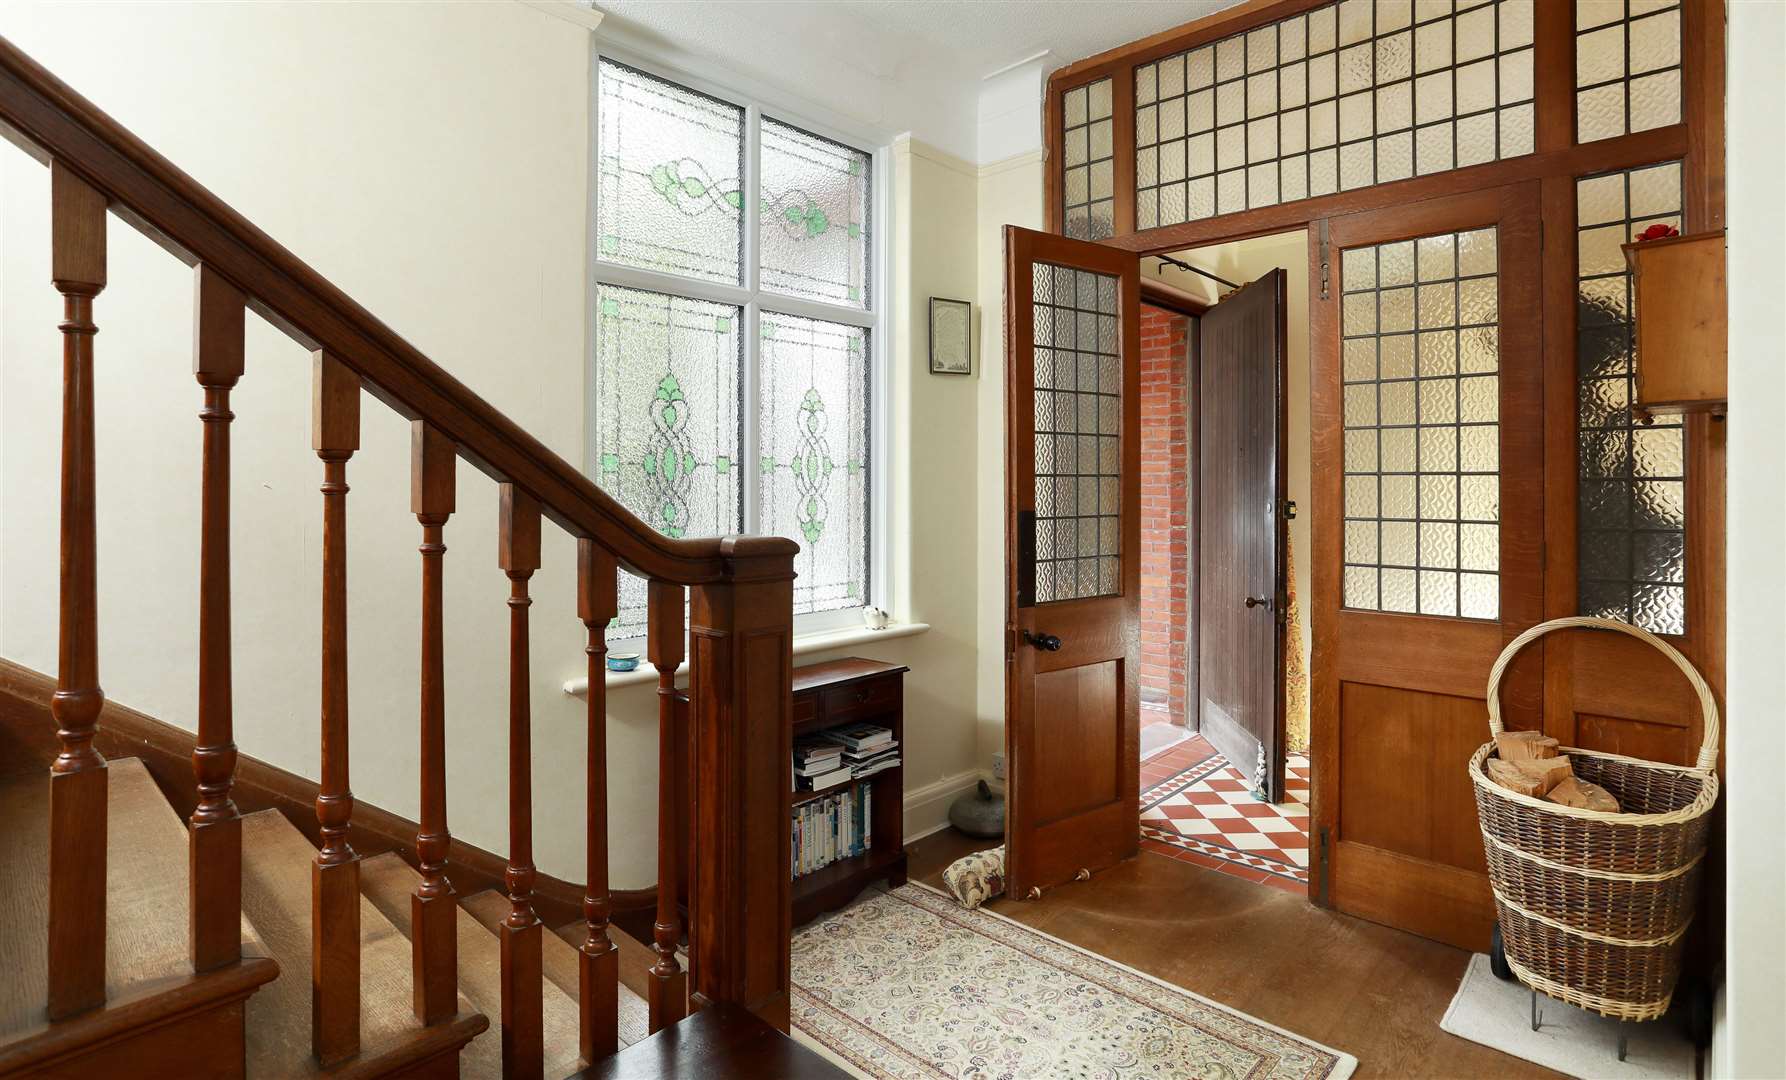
{"x":1258,"y":601}
{"x":1045,"y":642}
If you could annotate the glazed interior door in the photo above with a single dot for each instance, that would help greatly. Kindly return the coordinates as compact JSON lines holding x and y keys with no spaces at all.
{"x":1242,"y":596}
{"x":1427,"y":428}
{"x":1073,"y":545}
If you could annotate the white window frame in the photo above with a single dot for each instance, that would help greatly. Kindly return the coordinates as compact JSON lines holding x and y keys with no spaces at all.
{"x":753,"y":299}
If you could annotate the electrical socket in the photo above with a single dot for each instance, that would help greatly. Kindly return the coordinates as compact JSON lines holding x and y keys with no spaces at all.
{"x":998,"y":766}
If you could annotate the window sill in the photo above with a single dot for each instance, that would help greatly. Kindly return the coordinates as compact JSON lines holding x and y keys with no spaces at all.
{"x":820,"y":641}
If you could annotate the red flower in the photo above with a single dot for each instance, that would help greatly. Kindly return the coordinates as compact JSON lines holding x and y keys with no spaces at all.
{"x":1658,"y":231}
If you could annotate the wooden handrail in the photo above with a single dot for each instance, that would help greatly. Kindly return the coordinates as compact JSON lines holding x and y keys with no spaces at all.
{"x":50,"y":121}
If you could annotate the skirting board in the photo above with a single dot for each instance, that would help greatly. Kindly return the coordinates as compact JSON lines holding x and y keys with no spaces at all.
{"x":927,"y":807}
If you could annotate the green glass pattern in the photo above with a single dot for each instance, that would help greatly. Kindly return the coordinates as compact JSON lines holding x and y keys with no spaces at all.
{"x":813,"y":234}
{"x":668,"y":195}
{"x":667,"y":418}
{"x":813,"y":474}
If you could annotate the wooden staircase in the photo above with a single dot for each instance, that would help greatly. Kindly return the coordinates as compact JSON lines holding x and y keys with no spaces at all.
{"x":226,"y":944}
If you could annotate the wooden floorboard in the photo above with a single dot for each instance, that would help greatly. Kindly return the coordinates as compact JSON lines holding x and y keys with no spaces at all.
{"x":1373,"y":992}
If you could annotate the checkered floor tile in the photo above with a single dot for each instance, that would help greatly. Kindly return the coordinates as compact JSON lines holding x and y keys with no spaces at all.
{"x":1204,"y":813}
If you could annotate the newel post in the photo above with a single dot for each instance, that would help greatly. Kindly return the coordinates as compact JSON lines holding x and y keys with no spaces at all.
{"x":741,"y":641}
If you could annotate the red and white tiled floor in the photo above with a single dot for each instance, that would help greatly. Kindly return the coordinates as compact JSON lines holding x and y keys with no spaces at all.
{"x":1198,"y":808}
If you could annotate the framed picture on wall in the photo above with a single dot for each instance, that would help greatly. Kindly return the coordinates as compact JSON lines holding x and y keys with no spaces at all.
{"x":951,"y":337}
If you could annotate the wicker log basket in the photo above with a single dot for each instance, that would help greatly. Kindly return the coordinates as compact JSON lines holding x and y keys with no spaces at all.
{"x":1592,"y":905}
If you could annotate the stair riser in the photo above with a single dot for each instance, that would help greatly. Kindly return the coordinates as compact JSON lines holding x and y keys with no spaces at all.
{"x":205,"y":1044}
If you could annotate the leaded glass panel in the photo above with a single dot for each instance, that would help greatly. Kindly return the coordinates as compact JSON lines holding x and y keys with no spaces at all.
{"x":1627,"y":66}
{"x":813,"y":221}
{"x":669,"y":195}
{"x":1420,"y":406}
{"x":667,"y":418}
{"x":1078,"y":432}
{"x":1631,"y":513}
{"x":1345,"y":96}
{"x":813,"y":424}
{"x":1088,"y":188}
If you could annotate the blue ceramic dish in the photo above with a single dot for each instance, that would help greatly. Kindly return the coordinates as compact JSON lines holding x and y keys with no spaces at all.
{"x":623,"y":661}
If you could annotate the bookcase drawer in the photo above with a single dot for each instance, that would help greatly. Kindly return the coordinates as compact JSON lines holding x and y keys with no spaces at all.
{"x":806,"y":707}
{"x":861,"y":699}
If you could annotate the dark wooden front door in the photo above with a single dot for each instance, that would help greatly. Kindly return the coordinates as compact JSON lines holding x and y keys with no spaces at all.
{"x":1241,"y":522}
{"x":1427,"y":385}
{"x":1073,"y":546}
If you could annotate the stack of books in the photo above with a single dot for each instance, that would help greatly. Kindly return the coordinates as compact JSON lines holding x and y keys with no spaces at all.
{"x":867,"y":748}
{"x":818,"y":763}
{"x":832,"y":828}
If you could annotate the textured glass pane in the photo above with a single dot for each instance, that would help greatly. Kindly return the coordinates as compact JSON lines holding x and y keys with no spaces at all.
{"x":1078,"y":424}
{"x":1627,"y":67}
{"x":1631,"y":554}
{"x":668,"y":193}
{"x":1429,"y":481}
{"x":1087,"y":201}
{"x":813,"y":225}
{"x":813,"y":454}
{"x":666,"y":418}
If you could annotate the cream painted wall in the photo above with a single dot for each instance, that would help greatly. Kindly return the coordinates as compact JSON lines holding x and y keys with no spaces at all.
{"x":433,"y":161}
{"x":1750,"y":1041}
{"x":1243,"y":261}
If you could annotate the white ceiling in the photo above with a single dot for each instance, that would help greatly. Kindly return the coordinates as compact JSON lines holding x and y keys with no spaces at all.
{"x":882,"y":67}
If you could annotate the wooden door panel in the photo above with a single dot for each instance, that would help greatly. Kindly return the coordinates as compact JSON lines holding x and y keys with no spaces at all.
{"x":1073,"y":547}
{"x":1664,"y":740}
{"x":1076,"y":760}
{"x":1406,"y":625}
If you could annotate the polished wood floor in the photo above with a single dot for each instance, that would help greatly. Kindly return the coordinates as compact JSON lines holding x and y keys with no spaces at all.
{"x":1373,"y":992}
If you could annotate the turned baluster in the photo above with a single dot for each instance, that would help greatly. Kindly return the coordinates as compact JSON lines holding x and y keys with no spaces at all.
{"x":668,"y":985}
{"x":78,"y":777}
{"x":215,"y":850}
{"x":433,"y":907}
{"x":523,"y":1033}
{"x":335,"y":875}
{"x":598,"y":999}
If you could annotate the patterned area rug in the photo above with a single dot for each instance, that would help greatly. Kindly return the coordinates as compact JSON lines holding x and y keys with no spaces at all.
{"x":908,"y":984}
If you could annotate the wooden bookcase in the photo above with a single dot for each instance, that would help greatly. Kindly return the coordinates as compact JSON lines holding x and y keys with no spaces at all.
{"x":847,"y":692}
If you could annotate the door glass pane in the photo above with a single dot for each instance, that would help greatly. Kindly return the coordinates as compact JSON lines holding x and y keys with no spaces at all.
{"x":1078,"y":432}
{"x":666,"y":408}
{"x":1627,"y":66}
{"x":1421,"y":413}
{"x":813,"y":441}
{"x":1631,"y":559}
{"x":1088,"y":189}
{"x":1345,"y":96}
{"x":813,"y":224}
{"x":670,"y":160}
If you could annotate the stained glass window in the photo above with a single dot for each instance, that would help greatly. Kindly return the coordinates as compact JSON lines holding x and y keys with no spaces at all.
{"x":813,"y":458}
{"x":729,"y":398}
{"x":1631,"y":563}
{"x":1421,"y":411}
{"x":667,"y":418}
{"x":813,"y":222}
{"x":1078,"y":431}
{"x":669,"y":169}
{"x":1344,"y":96}
{"x":1627,"y":66}
{"x":1088,"y":191}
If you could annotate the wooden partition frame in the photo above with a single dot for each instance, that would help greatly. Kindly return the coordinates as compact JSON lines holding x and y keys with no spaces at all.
{"x":1555,"y":165}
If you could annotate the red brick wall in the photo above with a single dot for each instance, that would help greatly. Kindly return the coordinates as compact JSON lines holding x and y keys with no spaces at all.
{"x":1165,"y":551}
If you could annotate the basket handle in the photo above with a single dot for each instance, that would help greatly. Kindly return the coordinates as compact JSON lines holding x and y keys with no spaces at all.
{"x":1708,"y":706}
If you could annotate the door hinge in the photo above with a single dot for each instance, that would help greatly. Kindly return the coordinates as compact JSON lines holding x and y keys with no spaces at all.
{"x":1326,"y":263}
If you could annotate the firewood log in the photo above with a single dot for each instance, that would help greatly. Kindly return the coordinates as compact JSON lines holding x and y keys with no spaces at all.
{"x":1523,"y":745}
{"x":1511,"y":777}
{"x":1574,"y":791}
{"x":1547,"y":771}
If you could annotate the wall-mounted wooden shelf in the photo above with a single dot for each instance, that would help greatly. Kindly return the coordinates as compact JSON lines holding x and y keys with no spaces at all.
{"x":1679,"y":290}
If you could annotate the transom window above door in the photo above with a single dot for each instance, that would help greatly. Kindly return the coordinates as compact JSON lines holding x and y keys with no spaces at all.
{"x":736,"y":318}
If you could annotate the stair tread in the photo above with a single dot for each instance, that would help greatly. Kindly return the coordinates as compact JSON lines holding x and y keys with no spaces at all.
{"x":559,"y":956}
{"x":719,"y":1040}
{"x":388,"y":882}
{"x":147,"y":905}
{"x":276,"y":894}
